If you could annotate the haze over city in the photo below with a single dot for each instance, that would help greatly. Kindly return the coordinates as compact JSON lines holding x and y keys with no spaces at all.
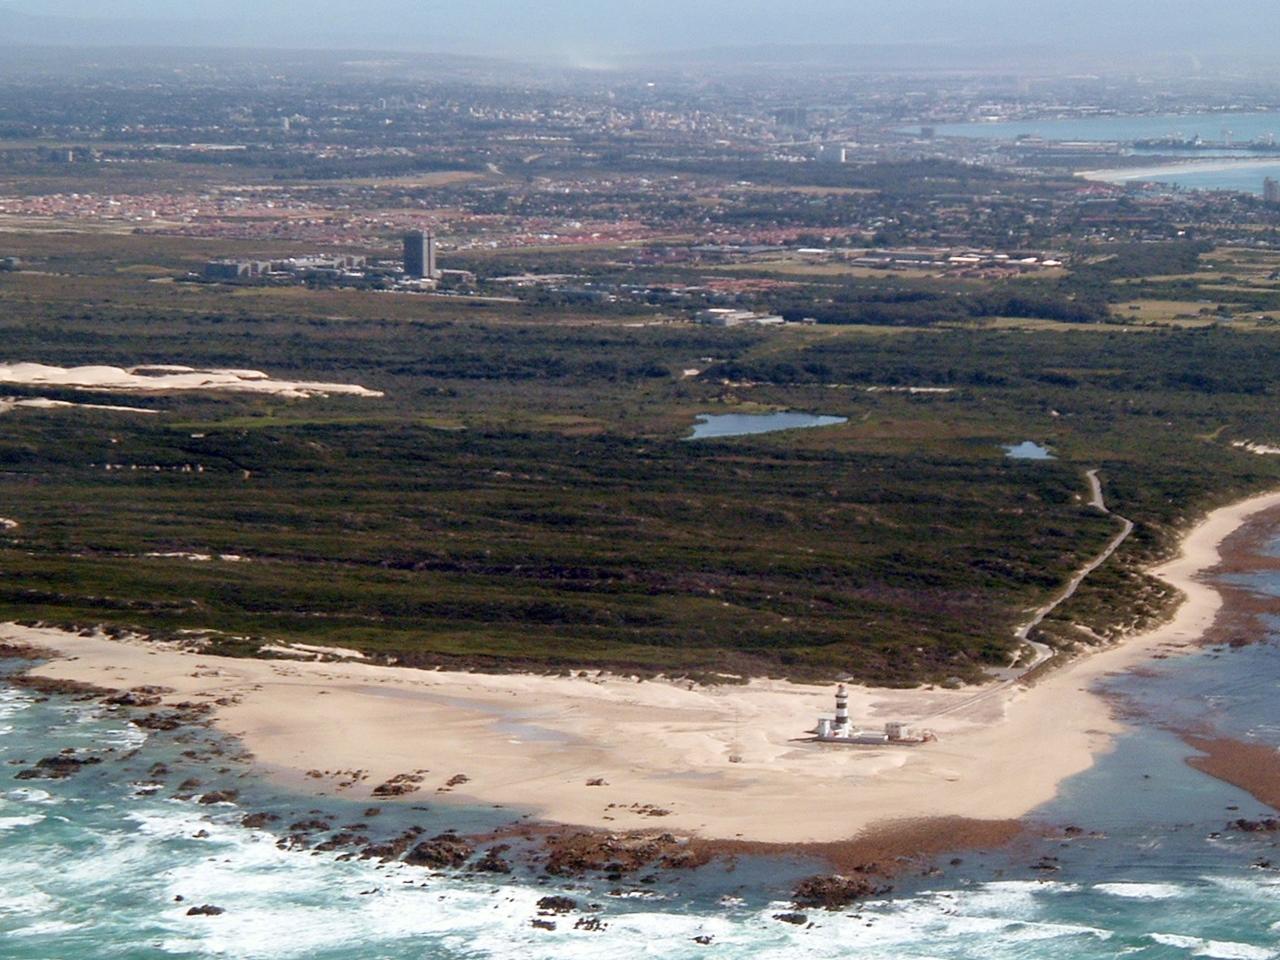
{"x":592,"y":32}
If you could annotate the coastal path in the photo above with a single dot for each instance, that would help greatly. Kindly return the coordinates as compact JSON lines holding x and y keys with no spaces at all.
{"x":1043,"y":652}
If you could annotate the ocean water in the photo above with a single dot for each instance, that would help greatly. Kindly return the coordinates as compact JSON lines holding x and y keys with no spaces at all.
{"x":1239,"y":176}
{"x":1243,"y":127}
{"x":90,"y":866}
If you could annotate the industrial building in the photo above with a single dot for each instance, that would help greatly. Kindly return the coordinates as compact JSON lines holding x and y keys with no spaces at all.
{"x":727,"y":317}
{"x":1271,"y":192}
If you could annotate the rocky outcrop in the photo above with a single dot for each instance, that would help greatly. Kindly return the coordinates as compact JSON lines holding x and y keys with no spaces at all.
{"x":573,"y":854}
{"x":1266,"y":825}
{"x":837,"y":892}
{"x":400,"y":786}
{"x":220,"y":796}
{"x":446,"y":850}
{"x":493,"y":861}
{"x":557,"y":904}
{"x":58,"y":767}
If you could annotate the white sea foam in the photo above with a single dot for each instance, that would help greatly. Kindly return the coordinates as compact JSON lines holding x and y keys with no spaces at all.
{"x":1141,"y":891}
{"x":45,"y":928}
{"x":27,"y":903}
{"x":12,"y":823}
{"x":31,"y":795}
{"x":1217,"y":949}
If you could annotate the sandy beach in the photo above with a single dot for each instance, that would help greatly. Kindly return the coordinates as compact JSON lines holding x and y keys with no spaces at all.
{"x":724,"y":763}
{"x":1164,"y":170}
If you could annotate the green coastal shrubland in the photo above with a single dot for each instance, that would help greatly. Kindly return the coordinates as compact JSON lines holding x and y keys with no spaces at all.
{"x":523,"y":496}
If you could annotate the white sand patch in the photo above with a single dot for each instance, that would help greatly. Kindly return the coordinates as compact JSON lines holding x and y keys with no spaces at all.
{"x":307,"y":651}
{"x":160,"y":379}
{"x":43,"y":403}
{"x":911,"y":390}
{"x":1262,"y":449}
{"x":199,"y":557}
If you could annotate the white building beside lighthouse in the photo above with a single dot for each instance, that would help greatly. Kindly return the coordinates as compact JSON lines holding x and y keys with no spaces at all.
{"x":840,"y":730}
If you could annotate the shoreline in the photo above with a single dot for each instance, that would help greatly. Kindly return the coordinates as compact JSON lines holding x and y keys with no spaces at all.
{"x":1157,"y":172}
{"x":618,"y":754}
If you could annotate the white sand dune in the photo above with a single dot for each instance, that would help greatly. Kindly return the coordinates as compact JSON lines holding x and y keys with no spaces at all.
{"x":725,"y":762}
{"x":44,"y":403}
{"x":165,"y":378}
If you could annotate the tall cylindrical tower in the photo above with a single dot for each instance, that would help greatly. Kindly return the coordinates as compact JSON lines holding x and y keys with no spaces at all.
{"x":842,"y":708}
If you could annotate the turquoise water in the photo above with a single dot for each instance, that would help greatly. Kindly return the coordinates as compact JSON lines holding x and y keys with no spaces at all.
{"x":90,"y":866}
{"x":1244,"y":127}
{"x":744,"y":424}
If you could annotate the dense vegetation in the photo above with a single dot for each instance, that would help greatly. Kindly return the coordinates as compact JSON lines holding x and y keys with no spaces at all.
{"x":523,"y":495}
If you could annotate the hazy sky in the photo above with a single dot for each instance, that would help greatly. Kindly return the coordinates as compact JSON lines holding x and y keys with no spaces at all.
{"x":587,"y":29}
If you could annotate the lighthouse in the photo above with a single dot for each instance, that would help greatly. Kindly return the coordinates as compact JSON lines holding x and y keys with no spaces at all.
{"x":842,"y":709}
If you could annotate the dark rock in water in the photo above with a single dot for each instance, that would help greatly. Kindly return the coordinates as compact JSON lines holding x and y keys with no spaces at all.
{"x":307,"y":826}
{"x":158,"y":770}
{"x":492,"y":861}
{"x":159,"y":721}
{"x":52,"y":686}
{"x":799,"y":919}
{"x":591,"y":925}
{"x":570,"y":854}
{"x":207,"y":910}
{"x":220,"y":796}
{"x":1266,"y":825}
{"x":557,"y":905}
{"x":373,"y":812}
{"x":256,"y":821}
{"x":544,"y":924}
{"x":189,"y":784}
{"x":393,"y":848}
{"x":57,"y":768}
{"x":340,"y":841}
{"x":704,"y":940}
{"x":439,"y":852}
{"x":833,"y":893}
{"x":133,"y":698}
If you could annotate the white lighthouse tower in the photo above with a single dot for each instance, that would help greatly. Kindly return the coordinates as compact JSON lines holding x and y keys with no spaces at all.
{"x":842,"y":709}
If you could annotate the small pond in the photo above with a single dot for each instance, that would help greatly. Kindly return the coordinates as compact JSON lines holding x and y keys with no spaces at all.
{"x":744,"y":424}
{"x":1028,"y":451}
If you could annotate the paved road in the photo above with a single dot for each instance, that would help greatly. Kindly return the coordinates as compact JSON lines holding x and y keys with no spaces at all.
{"x":1043,"y":652}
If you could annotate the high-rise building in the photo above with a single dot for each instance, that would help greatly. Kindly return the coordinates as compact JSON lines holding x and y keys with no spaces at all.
{"x":1271,"y":191}
{"x":420,"y":255}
